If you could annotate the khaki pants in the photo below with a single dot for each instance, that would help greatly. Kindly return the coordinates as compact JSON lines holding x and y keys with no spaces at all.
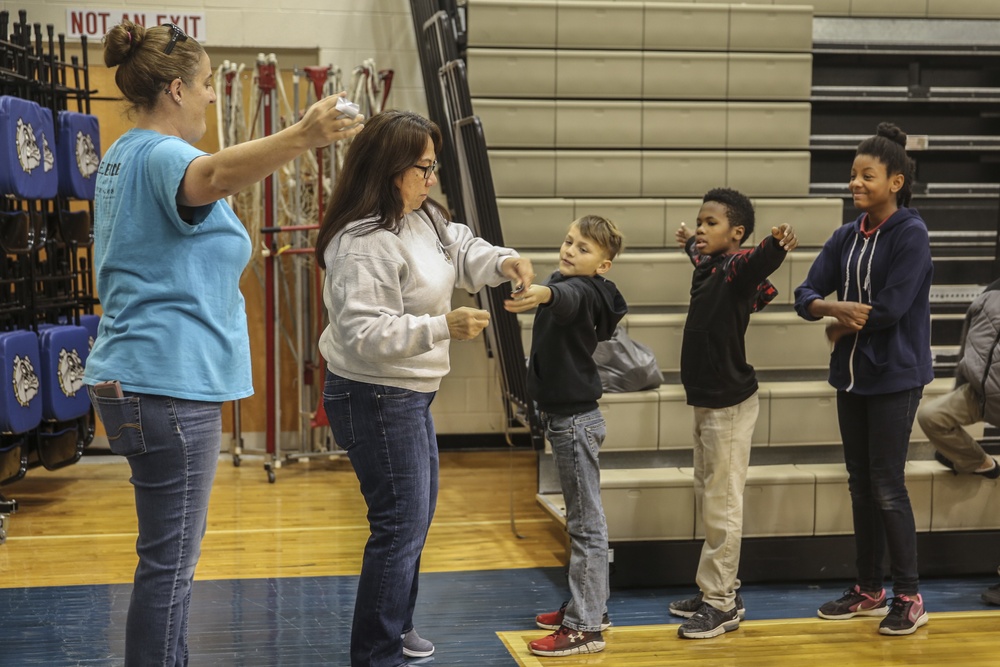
{"x":942,"y":420}
{"x":721,"y":456}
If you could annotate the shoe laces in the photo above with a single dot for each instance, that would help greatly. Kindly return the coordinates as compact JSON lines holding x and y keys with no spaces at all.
{"x":898,"y":604}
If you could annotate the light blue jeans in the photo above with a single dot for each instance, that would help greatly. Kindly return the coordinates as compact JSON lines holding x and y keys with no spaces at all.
{"x":576,"y":441}
{"x":172,"y":446}
{"x":722,"y":439}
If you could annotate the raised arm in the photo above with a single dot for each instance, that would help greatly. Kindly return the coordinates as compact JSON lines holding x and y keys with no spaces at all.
{"x":212,"y":177}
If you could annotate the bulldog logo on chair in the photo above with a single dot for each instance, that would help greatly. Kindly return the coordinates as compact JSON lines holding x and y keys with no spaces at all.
{"x":28,"y":154}
{"x":86,"y":155}
{"x":25,"y":380}
{"x":70,"y":372}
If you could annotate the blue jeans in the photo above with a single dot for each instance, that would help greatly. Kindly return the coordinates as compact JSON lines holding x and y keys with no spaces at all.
{"x":172,"y":446}
{"x":389,"y":437}
{"x":576,"y":441}
{"x":876,"y":434}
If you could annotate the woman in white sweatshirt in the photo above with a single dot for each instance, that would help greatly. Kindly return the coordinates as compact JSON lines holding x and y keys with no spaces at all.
{"x":392,"y":262}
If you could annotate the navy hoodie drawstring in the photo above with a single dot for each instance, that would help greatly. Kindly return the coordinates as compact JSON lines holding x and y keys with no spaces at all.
{"x":863,"y":287}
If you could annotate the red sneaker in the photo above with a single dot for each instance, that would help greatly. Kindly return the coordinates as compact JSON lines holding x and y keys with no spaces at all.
{"x":553,"y":619}
{"x":565,"y":641}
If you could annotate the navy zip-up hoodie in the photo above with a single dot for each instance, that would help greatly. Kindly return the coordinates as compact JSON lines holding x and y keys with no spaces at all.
{"x":890,"y":268}
{"x":562,"y":373}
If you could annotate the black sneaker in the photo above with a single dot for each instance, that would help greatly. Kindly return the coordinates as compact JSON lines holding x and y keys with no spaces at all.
{"x":992,"y":595}
{"x":709,"y":622}
{"x":690,"y":606}
{"x":906,"y":614}
{"x":553,"y":620}
{"x":992,"y":473}
{"x":945,"y":461}
{"x":854,"y":603}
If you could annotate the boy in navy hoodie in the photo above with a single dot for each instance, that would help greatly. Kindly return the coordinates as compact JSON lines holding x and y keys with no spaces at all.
{"x":880,"y":268}
{"x":728,"y":284}
{"x":577,"y":307}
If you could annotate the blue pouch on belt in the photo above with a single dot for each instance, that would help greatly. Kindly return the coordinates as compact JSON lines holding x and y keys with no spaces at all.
{"x":27,"y":150}
{"x":78,"y":153}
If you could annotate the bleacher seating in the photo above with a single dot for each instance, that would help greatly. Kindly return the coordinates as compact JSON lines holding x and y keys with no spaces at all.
{"x":634,"y":116}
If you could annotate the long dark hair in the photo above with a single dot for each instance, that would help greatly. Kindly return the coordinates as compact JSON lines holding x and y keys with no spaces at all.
{"x":390,"y":143}
{"x":888,"y":146}
{"x":144,"y":70}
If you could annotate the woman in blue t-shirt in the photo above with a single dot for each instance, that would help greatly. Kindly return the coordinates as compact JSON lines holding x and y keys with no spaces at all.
{"x":172,"y":343}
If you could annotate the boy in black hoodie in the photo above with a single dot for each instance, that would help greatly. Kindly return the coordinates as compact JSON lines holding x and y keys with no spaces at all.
{"x":576,"y":308}
{"x":728,"y":285}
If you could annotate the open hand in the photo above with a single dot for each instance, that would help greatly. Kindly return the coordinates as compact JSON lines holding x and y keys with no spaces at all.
{"x":527,"y":299}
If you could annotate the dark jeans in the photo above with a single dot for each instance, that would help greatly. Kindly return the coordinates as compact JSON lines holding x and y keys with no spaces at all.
{"x":876,"y":435}
{"x":389,"y":437}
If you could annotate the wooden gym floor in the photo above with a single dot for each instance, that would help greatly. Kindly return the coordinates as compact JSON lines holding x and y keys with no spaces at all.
{"x":277,"y":579}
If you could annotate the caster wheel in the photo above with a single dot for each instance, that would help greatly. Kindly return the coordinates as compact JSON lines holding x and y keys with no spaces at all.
{"x":270,"y":477}
{"x":237,"y":461}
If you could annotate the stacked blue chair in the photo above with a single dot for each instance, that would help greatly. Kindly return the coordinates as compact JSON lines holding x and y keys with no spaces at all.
{"x":65,"y":403}
{"x":78,"y":153}
{"x":49,"y":156}
{"x":20,"y":400}
{"x":27,"y":151}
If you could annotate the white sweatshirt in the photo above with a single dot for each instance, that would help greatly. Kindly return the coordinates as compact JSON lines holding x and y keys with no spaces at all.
{"x":387,"y":296}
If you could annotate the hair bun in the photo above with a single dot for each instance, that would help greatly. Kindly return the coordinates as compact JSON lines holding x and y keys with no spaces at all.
{"x":892,"y":132}
{"x":121,"y":41}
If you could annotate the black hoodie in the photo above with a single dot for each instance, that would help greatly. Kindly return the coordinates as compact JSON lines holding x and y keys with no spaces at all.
{"x":725,"y":289}
{"x":562,"y":374}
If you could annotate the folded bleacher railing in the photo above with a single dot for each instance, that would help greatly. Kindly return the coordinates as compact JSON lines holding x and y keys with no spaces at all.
{"x":50,"y":157}
{"x":468,"y":183}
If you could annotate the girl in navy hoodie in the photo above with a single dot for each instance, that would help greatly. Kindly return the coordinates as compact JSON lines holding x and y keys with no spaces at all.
{"x":880,"y":268}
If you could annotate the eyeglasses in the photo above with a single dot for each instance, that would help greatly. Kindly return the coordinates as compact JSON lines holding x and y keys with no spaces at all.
{"x":176,"y":35}
{"x":427,"y":169}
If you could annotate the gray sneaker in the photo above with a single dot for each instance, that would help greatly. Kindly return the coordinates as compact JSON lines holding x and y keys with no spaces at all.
{"x":689,"y":607}
{"x":992,"y":595}
{"x":415,"y":646}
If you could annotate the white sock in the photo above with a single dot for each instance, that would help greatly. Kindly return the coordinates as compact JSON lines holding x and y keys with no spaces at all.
{"x":990,"y":466}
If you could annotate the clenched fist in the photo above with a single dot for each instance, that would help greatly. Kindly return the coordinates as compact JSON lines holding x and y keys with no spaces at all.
{"x":465,"y":323}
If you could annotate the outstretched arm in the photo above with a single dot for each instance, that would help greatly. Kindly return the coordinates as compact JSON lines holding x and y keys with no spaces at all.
{"x":209,"y":178}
